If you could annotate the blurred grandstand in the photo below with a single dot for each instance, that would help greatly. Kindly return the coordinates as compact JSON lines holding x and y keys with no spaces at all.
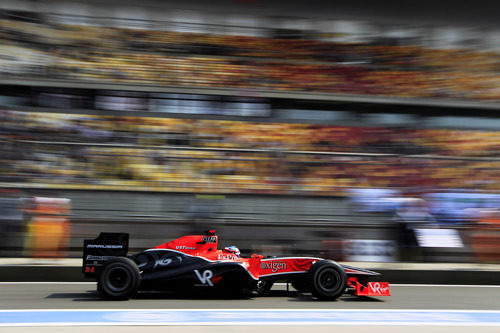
{"x":214,"y":116}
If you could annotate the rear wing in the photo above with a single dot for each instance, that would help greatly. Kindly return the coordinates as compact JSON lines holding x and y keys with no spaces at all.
{"x":106,"y":246}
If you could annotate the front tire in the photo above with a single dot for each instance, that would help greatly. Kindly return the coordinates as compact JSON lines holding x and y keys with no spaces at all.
{"x":119,"y":279}
{"x":328,"y":280}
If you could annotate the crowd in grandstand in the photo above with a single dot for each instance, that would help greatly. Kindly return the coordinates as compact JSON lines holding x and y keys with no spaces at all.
{"x":200,"y":155}
{"x":111,"y":54}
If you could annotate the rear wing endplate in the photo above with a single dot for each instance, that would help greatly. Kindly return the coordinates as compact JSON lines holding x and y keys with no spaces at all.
{"x":106,"y":246}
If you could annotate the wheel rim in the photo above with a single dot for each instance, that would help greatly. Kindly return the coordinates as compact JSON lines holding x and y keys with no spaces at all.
{"x":118,"y":279}
{"x":261,"y":284}
{"x":329,"y":280}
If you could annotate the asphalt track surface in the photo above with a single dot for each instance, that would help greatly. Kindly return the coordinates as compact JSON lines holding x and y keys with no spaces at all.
{"x":65,"y":295}
{"x":406,"y":300}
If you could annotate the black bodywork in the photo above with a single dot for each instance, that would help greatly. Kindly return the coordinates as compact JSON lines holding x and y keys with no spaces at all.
{"x":164,"y":269}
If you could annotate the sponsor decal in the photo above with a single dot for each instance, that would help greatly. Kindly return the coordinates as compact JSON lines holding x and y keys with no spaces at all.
{"x":184,"y":247}
{"x":91,"y":257}
{"x":102,"y":246}
{"x":167,"y":260}
{"x":378,"y":288}
{"x":274,"y":266}
{"x":209,"y":239}
{"x":157,"y":260}
{"x":227,"y":257}
{"x":164,"y":261}
{"x":206,"y":277}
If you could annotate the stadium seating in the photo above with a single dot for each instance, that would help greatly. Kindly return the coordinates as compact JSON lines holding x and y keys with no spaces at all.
{"x":169,"y":58}
{"x":194,"y":155}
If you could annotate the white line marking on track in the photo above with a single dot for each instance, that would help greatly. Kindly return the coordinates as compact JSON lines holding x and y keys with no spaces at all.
{"x":252,"y":323}
{"x":182,"y":317}
{"x":251,"y":309}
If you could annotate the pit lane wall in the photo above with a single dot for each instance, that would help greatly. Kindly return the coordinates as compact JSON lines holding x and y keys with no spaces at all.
{"x":271,"y":225}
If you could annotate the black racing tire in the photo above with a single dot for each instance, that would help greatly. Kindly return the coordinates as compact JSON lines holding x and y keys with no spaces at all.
{"x":328,"y":280}
{"x":263,"y":287}
{"x":119,"y":279}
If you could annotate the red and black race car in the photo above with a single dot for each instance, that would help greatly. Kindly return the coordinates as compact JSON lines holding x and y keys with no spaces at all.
{"x":194,"y":263}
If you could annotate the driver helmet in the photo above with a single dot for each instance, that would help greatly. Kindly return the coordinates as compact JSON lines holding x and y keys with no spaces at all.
{"x":232,"y":249}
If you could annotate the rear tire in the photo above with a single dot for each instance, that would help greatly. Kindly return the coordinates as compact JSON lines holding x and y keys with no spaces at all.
{"x":119,"y":279}
{"x":328,"y":280}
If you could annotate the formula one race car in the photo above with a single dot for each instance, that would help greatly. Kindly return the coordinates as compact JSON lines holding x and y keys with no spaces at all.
{"x":193,"y":263}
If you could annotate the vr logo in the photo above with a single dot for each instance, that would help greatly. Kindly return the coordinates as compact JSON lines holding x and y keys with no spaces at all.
{"x":379,"y":288}
{"x":206,"y":277}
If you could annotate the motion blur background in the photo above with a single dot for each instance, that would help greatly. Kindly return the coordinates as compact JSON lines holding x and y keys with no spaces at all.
{"x":354,"y":130}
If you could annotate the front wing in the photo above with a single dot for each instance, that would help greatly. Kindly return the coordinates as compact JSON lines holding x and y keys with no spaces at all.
{"x":371,"y":288}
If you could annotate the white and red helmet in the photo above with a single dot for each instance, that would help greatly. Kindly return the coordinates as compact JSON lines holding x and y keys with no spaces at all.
{"x":232,"y":249}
